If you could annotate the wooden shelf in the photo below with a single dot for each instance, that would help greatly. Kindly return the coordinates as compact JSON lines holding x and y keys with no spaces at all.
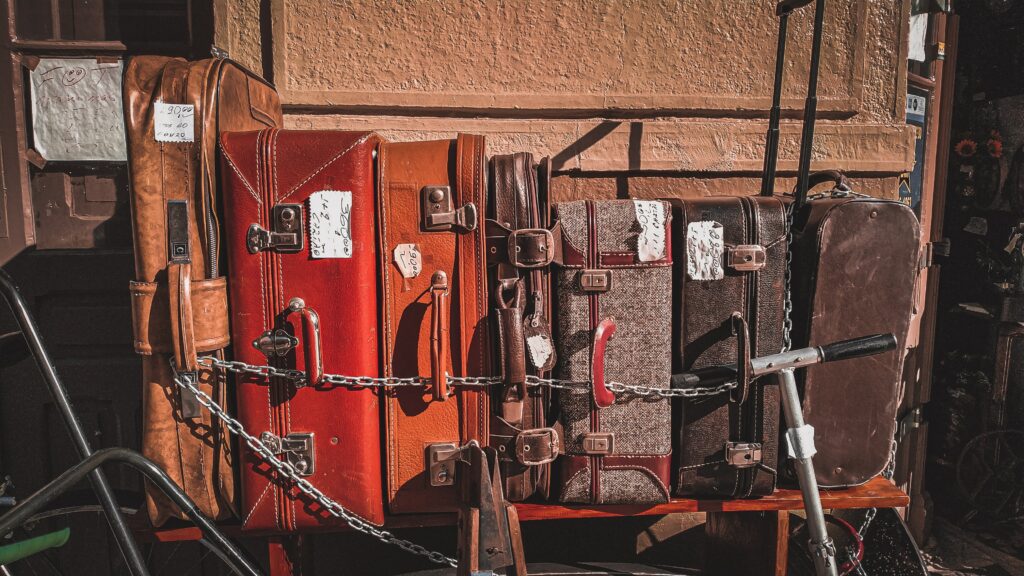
{"x":877,"y":493}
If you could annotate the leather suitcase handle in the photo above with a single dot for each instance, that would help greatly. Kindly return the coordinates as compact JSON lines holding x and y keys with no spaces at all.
{"x":311,"y":349}
{"x":835,"y":176}
{"x":605,"y":331}
{"x":439,"y":334}
{"x":182,"y":330}
{"x":741,"y":330}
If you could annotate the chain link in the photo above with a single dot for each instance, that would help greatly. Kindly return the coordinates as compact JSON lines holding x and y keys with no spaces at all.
{"x":285,"y":469}
{"x":299,"y":377}
{"x":787,"y":305}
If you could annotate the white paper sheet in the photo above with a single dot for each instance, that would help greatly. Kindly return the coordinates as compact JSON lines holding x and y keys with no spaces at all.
{"x":76,"y":110}
{"x":918,"y":34}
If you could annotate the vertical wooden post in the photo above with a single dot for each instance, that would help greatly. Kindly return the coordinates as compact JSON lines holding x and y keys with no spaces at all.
{"x":749,"y":543}
{"x":288,"y":556}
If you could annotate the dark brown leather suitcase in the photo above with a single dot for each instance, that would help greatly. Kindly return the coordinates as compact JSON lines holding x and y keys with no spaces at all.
{"x":179,"y":298}
{"x":855,"y":263}
{"x":301,"y":236}
{"x":614,"y":279}
{"x":729,"y":274}
{"x":434,"y":313}
{"x":519,"y":251}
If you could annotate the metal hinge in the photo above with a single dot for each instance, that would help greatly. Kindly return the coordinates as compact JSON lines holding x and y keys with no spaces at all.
{"x":285,"y":234}
{"x":743,"y":454}
{"x":910,"y":421}
{"x":438,"y":213}
{"x":296,"y":447}
{"x":933,"y":249}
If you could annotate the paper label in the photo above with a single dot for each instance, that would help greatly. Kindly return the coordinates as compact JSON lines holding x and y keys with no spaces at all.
{"x":540,"y":349}
{"x":705,"y":247}
{"x":409,"y":260}
{"x":76,"y":110}
{"x":330,"y":226}
{"x":174,"y":122}
{"x":651,"y":242}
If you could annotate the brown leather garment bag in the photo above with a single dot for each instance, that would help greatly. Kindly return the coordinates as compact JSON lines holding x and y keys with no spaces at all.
{"x":179,"y":298}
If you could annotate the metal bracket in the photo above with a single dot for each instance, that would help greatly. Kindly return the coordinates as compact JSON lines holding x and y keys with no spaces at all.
{"x":275,"y":343}
{"x":441,"y":459}
{"x":285,"y":235}
{"x":908,"y":422}
{"x":297,"y":449}
{"x":438,"y":212}
{"x":933,"y":249}
{"x":743,"y":454}
{"x":746,"y":258}
{"x":596,"y":280}
{"x":599,"y":443}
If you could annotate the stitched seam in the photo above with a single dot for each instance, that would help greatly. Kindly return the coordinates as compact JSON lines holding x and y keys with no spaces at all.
{"x":238,"y":172}
{"x":257,"y":504}
{"x":322,"y":167}
{"x":389,"y":400}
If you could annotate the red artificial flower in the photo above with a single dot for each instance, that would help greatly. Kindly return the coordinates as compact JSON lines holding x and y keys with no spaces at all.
{"x":966,"y":148}
{"x":995,"y":148}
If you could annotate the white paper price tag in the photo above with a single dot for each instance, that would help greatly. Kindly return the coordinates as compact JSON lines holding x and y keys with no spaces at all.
{"x":330,"y":225}
{"x":174,"y":122}
{"x":409,"y":260}
{"x":651,"y":243}
{"x":705,"y":248}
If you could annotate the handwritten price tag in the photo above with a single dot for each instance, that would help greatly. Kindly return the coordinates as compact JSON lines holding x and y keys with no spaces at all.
{"x":408,"y":259}
{"x":174,"y":122}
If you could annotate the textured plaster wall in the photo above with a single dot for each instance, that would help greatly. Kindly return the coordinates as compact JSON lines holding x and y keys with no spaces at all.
{"x":673,"y":89}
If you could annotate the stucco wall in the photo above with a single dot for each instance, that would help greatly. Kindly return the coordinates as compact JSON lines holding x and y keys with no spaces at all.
{"x":656,"y":94}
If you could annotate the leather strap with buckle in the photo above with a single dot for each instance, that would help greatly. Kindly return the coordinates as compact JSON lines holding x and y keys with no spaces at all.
{"x":530,"y":447}
{"x":524,"y":248}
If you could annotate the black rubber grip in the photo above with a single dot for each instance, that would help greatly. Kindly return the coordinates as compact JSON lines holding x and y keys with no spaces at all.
{"x":705,"y":377}
{"x":863,"y":346}
{"x":787,"y":6}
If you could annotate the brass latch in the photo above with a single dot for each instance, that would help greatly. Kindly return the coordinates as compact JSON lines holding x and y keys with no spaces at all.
{"x":596,"y":280}
{"x":599,"y":443}
{"x":296,"y":447}
{"x":438,"y":214}
{"x":743,"y":454}
{"x":746,"y":258}
{"x":441,"y":460}
{"x":285,"y":234}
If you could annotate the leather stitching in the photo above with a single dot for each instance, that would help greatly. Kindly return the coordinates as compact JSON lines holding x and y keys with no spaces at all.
{"x":238,"y":173}
{"x":322,"y":166}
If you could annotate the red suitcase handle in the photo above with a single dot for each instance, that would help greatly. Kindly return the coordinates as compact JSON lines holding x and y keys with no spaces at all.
{"x":603,"y":397}
{"x":310,"y":341}
{"x":439,"y":334}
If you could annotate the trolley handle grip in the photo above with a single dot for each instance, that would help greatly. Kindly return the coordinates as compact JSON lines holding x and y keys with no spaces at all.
{"x":787,"y":6}
{"x":858,"y":347}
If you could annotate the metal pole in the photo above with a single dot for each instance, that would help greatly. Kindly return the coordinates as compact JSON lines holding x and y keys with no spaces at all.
{"x":223,"y":547}
{"x":771,"y":141}
{"x":823,"y":550}
{"x":810,"y":107}
{"x":129,"y":549}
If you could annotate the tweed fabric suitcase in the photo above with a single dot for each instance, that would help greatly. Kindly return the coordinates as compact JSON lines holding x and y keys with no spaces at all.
{"x":300,"y":224}
{"x":614,"y":279}
{"x":520,"y":250}
{"x":729,"y":274}
{"x":434,"y":313}
{"x":855,"y":264}
{"x":179,"y":299}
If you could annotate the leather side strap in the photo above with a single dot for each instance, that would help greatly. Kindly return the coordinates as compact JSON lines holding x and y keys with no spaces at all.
{"x":182,"y":332}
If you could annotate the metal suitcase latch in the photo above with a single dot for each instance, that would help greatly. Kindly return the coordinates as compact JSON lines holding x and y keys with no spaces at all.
{"x":743,"y":454}
{"x":285,"y":235}
{"x":596,"y":280}
{"x":296,"y":447}
{"x":746,"y":258}
{"x":599,"y":443}
{"x":438,"y":213}
{"x":441,"y":460}
{"x":275,"y":343}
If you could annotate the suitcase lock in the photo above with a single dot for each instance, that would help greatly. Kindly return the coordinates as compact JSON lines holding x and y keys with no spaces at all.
{"x":441,"y":459}
{"x":275,"y":343}
{"x":746,"y":258}
{"x":285,"y":234}
{"x":438,"y":212}
{"x":296,"y":447}
{"x":743,"y":454}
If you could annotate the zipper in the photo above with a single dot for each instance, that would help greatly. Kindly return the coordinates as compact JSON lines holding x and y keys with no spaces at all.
{"x":595,"y":423}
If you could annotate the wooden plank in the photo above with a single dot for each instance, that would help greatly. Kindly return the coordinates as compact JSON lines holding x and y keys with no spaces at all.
{"x":749,"y":543}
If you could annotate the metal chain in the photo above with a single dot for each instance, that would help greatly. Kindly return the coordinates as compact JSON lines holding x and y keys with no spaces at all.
{"x":299,"y":377}
{"x":787,"y":305}
{"x":285,"y":469}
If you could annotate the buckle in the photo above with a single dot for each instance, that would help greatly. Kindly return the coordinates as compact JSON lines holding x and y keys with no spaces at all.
{"x":530,"y":247}
{"x":530,"y":446}
{"x":743,"y":454}
{"x":746,"y":258}
{"x":598,"y":443}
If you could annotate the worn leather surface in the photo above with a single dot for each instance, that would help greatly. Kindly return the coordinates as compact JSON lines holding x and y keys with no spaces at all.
{"x":855,"y":265}
{"x":521,"y":300}
{"x":151,"y":316}
{"x":227,"y":98}
{"x":264,"y":169}
{"x":705,"y":334}
{"x":602,"y":237}
{"x":414,"y":418}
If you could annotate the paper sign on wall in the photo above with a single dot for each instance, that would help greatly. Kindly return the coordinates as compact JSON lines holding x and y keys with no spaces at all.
{"x":76,"y":110}
{"x":174,"y":122}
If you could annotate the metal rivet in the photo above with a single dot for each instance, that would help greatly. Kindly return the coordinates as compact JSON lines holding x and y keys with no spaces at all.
{"x":436,"y":195}
{"x":874,"y":213}
{"x":334,"y":439}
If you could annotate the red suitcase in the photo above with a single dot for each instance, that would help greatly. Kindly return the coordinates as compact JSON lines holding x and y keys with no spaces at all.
{"x":301,"y":243}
